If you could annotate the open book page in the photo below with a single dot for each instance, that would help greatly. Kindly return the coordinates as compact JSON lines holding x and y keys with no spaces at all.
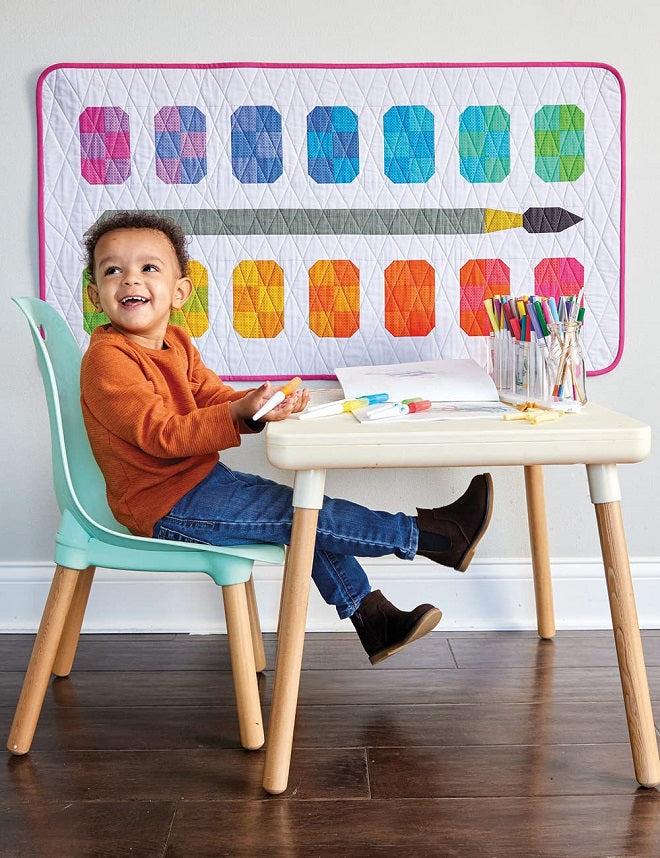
{"x":461,"y":380}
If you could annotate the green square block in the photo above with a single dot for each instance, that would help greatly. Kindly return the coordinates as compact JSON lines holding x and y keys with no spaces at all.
{"x":92,"y":317}
{"x":571,"y":118}
{"x":547,"y":169}
{"x":471,"y":144}
{"x":571,"y":143}
{"x":546,"y":143}
{"x":496,"y":169}
{"x":496,"y":118}
{"x":571,"y":169}
{"x":547,"y":118}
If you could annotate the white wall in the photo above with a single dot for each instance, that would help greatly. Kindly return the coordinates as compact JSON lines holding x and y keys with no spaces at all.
{"x":38,"y":33}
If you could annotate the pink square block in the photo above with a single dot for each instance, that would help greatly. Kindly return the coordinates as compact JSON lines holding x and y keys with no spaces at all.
{"x":557,"y":277}
{"x":93,"y":170}
{"x":92,"y":119}
{"x":193,"y":144}
{"x":167,"y":119}
{"x":168,"y":170}
{"x":118,"y":145}
{"x":115,"y":119}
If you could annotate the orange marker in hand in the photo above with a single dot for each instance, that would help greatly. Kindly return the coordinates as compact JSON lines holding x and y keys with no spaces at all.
{"x":278,"y":397}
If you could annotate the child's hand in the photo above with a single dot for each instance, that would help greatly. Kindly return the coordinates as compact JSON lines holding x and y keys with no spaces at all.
{"x":244,"y":408}
{"x":294,"y":402}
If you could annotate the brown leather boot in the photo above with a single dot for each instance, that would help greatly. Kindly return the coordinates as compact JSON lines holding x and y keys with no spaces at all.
{"x":383,"y":629}
{"x":463,"y":522}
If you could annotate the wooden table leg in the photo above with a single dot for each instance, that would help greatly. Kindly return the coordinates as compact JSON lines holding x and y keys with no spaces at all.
{"x":308,"y":498}
{"x":605,"y":495}
{"x":538,"y":540}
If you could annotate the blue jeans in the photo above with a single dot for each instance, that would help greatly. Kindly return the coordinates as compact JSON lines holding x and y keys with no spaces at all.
{"x":232,"y":508}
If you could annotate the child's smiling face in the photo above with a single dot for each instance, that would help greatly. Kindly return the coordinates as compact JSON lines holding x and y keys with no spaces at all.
{"x":137,"y":281}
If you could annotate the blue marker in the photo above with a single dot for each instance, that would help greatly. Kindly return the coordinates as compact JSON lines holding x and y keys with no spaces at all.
{"x":374,"y":398}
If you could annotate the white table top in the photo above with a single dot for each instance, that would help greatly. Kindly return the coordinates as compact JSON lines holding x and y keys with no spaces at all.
{"x":595,"y":435}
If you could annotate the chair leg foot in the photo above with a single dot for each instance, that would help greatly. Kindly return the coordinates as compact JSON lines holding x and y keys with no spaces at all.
{"x":41,"y":661}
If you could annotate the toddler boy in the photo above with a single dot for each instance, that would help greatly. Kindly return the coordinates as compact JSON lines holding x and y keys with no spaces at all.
{"x":156,"y":417}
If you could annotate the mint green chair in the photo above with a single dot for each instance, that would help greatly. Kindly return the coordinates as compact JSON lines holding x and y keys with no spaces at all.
{"x":89,"y":536}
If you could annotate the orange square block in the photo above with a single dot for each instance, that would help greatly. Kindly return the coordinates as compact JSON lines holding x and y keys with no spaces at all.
{"x":481,"y":279}
{"x":410,"y":298}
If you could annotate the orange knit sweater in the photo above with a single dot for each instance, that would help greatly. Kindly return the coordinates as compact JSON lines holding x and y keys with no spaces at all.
{"x":156,"y":420}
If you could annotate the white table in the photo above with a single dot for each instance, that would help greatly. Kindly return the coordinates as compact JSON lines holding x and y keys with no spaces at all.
{"x":596,"y":437}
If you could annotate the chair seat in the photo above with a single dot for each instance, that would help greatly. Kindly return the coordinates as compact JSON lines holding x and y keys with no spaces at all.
{"x":75,"y":548}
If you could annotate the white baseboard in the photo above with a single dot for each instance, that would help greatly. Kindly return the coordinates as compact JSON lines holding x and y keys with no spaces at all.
{"x":493,"y":594}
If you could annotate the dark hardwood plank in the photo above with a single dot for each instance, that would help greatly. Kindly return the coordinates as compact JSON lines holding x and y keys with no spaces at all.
{"x":555,"y":827}
{"x":207,"y":775}
{"x":344,"y":726}
{"x":336,"y":687}
{"x":111,"y":829}
{"x":567,"y":649}
{"x":504,"y":770}
{"x":210,"y":652}
{"x":438,"y":650}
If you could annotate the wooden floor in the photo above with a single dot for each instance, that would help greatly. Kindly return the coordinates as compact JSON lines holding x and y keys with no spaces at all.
{"x":465,"y":744}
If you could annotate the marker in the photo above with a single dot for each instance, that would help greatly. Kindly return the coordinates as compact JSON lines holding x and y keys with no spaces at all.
{"x":371,"y":398}
{"x":336,"y":408}
{"x":420,"y":405}
{"x":278,"y":397}
{"x":393,"y":409}
{"x":375,"y":397}
{"x":396,"y":409}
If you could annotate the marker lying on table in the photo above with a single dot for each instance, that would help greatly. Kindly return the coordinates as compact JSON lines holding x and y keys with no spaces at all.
{"x":335,"y":408}
{"x":324,"y":406}
{"x":278,"y":397}
{"x":396,"y":409}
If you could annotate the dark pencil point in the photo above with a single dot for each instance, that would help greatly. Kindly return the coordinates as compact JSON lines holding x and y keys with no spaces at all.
{"x":549,"y":219}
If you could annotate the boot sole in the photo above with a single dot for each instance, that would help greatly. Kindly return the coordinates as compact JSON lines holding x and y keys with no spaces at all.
{"x":424,"y":625}
{"x":466,"y":559}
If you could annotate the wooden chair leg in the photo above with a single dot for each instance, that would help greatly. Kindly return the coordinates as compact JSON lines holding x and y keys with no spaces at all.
{"x":538,"y":539}
{"x":250,"y":723}
{"x":255,"y":626}
{"x":66,"y":651}
{"x":41,"y":661}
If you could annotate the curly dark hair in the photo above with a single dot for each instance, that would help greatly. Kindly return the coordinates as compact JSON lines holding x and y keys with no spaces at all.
{"x":137,"y":220}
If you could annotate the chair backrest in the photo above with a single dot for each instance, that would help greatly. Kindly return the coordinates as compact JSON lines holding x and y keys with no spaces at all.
{"x":79,"y":484}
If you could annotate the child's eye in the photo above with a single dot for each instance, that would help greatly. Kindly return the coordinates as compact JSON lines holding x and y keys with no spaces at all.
{"x":149,"y":267}
{"x":112,"y":269}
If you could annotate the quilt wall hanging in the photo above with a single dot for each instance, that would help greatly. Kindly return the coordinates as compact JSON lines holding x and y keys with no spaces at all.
{"x":344,"y":215}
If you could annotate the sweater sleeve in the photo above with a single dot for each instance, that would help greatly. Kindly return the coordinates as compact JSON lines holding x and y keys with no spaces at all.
{"x":126,"y":403}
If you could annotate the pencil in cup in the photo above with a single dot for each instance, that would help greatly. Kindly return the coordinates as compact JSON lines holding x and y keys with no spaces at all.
{"x":566,"y":362}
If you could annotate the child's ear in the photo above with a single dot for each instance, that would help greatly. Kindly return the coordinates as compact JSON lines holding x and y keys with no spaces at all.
{"x":182,"y":291}
{"x":93,"y":294}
